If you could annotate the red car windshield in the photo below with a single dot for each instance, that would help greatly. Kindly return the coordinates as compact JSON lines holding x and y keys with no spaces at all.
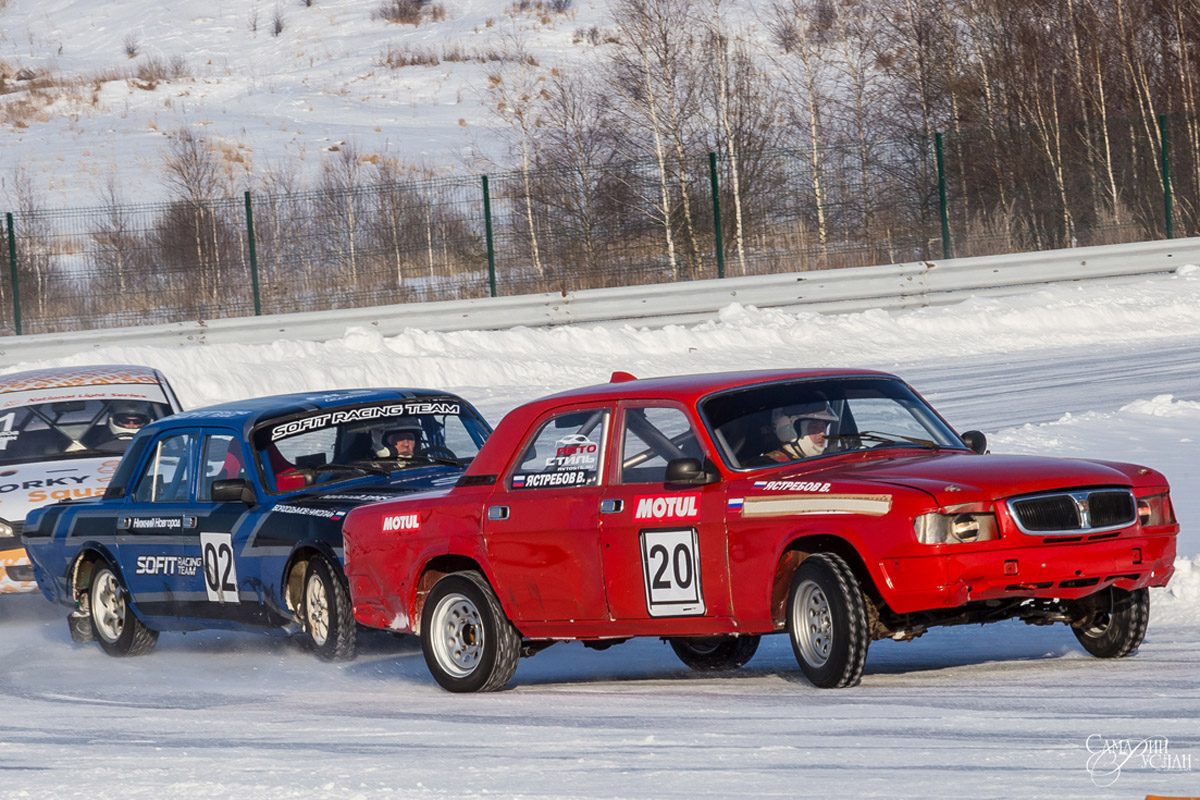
{"x":779,"y":423}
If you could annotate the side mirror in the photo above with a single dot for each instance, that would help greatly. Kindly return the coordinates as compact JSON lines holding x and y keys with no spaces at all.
{"x":691,"y":471}
{"x":976,"y":441}
{"x":233,"y":490}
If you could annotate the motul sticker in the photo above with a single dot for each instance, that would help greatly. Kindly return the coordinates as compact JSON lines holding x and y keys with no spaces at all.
{"x":402,"y":522}
{"x":674,"y":506}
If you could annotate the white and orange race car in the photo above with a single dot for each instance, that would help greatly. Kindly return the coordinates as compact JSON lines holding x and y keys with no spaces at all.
{"x":62,"y":433}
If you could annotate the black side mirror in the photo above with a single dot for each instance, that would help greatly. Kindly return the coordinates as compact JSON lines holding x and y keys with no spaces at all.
{"x":233,"y":490}
{"x":691,"y":471}
{"x":976,"y":441}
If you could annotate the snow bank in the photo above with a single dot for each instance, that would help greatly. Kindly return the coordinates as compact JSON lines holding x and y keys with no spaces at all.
{"x":1179,"y":603}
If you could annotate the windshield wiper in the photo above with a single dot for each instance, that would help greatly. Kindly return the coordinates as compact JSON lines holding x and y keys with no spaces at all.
{"x":888,"y":438}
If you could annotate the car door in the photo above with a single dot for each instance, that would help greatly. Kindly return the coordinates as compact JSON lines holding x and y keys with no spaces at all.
{"x":542,"y":524}
{"x":157,"y":537}
{"x":175,"y":545}
{"x":664,"y":546}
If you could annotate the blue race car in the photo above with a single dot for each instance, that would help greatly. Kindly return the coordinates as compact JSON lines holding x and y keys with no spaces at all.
{"x":231,"y":516}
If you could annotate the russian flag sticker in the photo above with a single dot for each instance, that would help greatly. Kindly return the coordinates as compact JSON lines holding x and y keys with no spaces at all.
{"x":736,"y":503}
{"x":759,"y":484}
{"x":518,"y":481}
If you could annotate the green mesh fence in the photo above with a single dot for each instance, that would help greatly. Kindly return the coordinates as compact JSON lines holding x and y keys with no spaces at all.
{"x":373,"y":245}
{"x":592,"y":226}
{"x":1094,"y":184}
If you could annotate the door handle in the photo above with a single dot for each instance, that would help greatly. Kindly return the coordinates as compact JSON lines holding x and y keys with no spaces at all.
{"x":611,"y":506}
{"x":497,"y":512}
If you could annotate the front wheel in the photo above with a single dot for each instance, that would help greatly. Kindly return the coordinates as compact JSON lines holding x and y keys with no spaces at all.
{"x":326,"y":611}
{"x":469,"y":645}
{"x":1112,"y":622}
{"x":827,"y":622}
{"x":714,"y":653}
{"x":115,"y":626}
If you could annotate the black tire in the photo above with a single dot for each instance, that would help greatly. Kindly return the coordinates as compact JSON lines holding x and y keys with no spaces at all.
{"x":714,"y":653}
{"x":827,"y":622}
{"x":469,"y":645}
{"x":1111,"y":623}
{"x":80,"y":625}
{"x":114,"y":625}
{"x":326,"y":612}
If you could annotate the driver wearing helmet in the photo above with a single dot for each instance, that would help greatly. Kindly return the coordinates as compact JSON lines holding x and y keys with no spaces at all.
{"x":400,"y":440}
{"x":125,"y":418}
{"x":802,"y":431}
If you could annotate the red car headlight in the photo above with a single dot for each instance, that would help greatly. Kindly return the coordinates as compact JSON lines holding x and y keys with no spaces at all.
{"x":1156,"y":509}
{"x":957,"y":525}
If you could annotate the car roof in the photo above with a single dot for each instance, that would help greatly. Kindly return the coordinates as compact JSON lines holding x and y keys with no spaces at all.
{"x":73,"y":377}
{"x":245,"y":414}
{"x":692,"y":387}
{"x":686,"y":389}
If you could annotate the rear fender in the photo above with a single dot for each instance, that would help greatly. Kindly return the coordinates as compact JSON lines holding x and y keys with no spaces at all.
{"x":292,"y":580}
{"x":437,"y":567}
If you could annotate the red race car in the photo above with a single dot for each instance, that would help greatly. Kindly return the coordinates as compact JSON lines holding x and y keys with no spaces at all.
{"x":833,"y":505}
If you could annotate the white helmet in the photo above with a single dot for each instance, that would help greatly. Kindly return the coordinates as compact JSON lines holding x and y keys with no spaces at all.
{"x":784,"y":419}
{"x":127,"y":417}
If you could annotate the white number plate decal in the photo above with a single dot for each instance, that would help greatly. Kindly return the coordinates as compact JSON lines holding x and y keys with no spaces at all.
{"x":671,"y":567}
{"x":220,"y":571}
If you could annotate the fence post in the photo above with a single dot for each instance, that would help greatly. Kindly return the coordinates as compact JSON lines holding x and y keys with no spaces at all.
{"x":487,"y":221}
{"x":12,"y":266}
{"x":716,"y":193}
{"x":1166,"y":176}
{"x":941,"y":170}
{"x":253,"y":255}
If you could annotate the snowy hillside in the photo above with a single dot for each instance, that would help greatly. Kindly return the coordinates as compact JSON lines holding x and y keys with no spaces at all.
{"x":270,"y":101}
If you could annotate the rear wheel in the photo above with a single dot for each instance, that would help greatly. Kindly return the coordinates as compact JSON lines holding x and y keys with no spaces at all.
{"x":827,"y":622}
{"x":115,"y":626}
{"x":1111,"y":623}
{"x":326,"y":611}
{"x":469,"y":645}
{"x":713,"y":653}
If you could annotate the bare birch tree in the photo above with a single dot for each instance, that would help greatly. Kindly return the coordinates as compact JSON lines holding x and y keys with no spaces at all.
{"x":654,"y":78}
{"x":517,"y":89}
{"x":797,"y":31}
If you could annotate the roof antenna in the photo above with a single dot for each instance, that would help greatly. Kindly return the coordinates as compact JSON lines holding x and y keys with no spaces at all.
{"x":621,"y":377}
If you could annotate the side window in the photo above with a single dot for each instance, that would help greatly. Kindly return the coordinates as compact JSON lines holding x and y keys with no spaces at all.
{"x":566,"y":451}
{"x":652,"y":436}
{"x":222,"y":459}
{"x":166,"y":477}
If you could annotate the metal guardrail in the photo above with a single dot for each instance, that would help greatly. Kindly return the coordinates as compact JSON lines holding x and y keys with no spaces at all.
{"x":892,"y":286}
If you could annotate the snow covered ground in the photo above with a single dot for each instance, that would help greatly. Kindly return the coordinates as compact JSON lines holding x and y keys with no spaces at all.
{"x":1000,"y":711}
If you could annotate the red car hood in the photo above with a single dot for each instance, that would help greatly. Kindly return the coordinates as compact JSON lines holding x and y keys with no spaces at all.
{"x":960,"y":478}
